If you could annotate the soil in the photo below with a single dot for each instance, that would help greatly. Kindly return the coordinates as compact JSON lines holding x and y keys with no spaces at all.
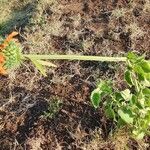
{"x":87,"y":27}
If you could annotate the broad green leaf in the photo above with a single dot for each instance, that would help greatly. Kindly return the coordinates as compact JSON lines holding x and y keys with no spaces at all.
{"x":138,"y":134}
{"x":140,"y":77}
{"x":133,"y":100}
{"x":145,"y":65}
{"x":118,"y":96}
{"x":132,"y":56}
{"x":110,"y":112}
{"x":120,"y":123}
{"x":146,"y":83}
{"x":96,"y":98}
{"x":105,"y":87}
{"x":146,"y":91}
{"x":128,"y":77}
{"x":126,"y":94}
{"x":138,"y":69}
{"x":147,"y":76}
{"x":46,"y":63}
{"x":39,"y":67}
{"x":126,"y":115}
{"x":139,"y":106}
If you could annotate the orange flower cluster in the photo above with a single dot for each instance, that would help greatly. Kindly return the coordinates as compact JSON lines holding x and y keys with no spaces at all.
{"x":2,"y":60}
{"x":3,"y":46}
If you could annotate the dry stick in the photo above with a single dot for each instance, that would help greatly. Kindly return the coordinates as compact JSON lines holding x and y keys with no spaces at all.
{"x":75,"y":57}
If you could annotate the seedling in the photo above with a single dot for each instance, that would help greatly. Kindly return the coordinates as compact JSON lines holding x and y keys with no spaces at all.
{"x":53,"y":108}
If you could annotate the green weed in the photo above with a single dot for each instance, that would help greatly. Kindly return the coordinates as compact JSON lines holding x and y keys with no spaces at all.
{"x":53,"y":108}
{"x":131,"y":106}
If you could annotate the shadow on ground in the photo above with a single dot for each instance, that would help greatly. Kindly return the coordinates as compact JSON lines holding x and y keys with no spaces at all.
{"x":19,"y":18}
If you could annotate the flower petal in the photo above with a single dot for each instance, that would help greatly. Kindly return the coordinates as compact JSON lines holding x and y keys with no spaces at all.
{"x":10,"y":37}
{"x":7,"y":40}
{"x":2,"y":71}
{"x":2,"y":59}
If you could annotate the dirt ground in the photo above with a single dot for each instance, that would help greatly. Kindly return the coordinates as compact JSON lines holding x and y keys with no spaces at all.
{"x":54,"y":112}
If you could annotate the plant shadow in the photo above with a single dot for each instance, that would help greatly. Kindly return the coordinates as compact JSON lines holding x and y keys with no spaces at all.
{"x":19,"y":18}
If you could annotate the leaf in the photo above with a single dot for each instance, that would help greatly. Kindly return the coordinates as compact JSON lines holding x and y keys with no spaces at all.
{"x":128,"y":77}
{"x":110,"y":112}
{"x":133,"y":100}
{"x":138,"y":69}
{"x":39,"y":67}
{"x":146,"y":92}
{"x":120,"y":123}
{"x":126,"y":94}
{"x":145,"y":65}
{"x":132,"y":56}
{"x":140,"y":77}
{"x":46,"y":63}
{"x":96,"y":98}
{"x":118,"y":96}
{"x":147,"y":76}
{"x":105,"y":87}
{"x":138,"y":134}
{"x":126,"y":116}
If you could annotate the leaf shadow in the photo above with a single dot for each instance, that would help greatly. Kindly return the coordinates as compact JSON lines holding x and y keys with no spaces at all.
{"x":19,"y":18}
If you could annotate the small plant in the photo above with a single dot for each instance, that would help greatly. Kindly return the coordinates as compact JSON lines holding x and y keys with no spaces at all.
{"x":11,"y":55}
{"x":53,"y":108}
{"x":131,"y":106}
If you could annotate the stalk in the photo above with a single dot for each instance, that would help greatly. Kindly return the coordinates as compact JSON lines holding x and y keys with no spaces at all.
{"x":75,"y":57}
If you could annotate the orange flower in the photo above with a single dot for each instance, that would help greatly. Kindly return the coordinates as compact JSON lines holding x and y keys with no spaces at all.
{"x":7,"y":40}
{"x":2,"y":59}
{"x":2,"y":56}
{"x":2,"y":70}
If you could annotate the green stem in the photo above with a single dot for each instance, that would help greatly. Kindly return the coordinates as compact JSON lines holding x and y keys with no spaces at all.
{"x":75,"y":57}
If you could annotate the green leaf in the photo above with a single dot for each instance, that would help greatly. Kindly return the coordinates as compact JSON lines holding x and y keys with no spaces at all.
{"x":145,"y":65}
{"x":105,"y":87}
{"x":46,"y":63}
{"x":147,"y":76}
{"x":138,"y":69}
{"x":140,"y":77}
{"x":126,"y":94}
{"x":120,"y":123}
{"x":146,"y":92}
{"x":132,"y":56}
{"x":39,"y":67}
{"x":128,"y":77}
{"x":126,"y":115}
{"x":96,"y":98}
{"x":133,"y":100}
{"x":110,"y":112}
{"x":118,"y":96}
{"x":138,"y":134}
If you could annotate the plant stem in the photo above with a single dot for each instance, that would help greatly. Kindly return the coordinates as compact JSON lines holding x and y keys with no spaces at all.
{"x":76,"y":57}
